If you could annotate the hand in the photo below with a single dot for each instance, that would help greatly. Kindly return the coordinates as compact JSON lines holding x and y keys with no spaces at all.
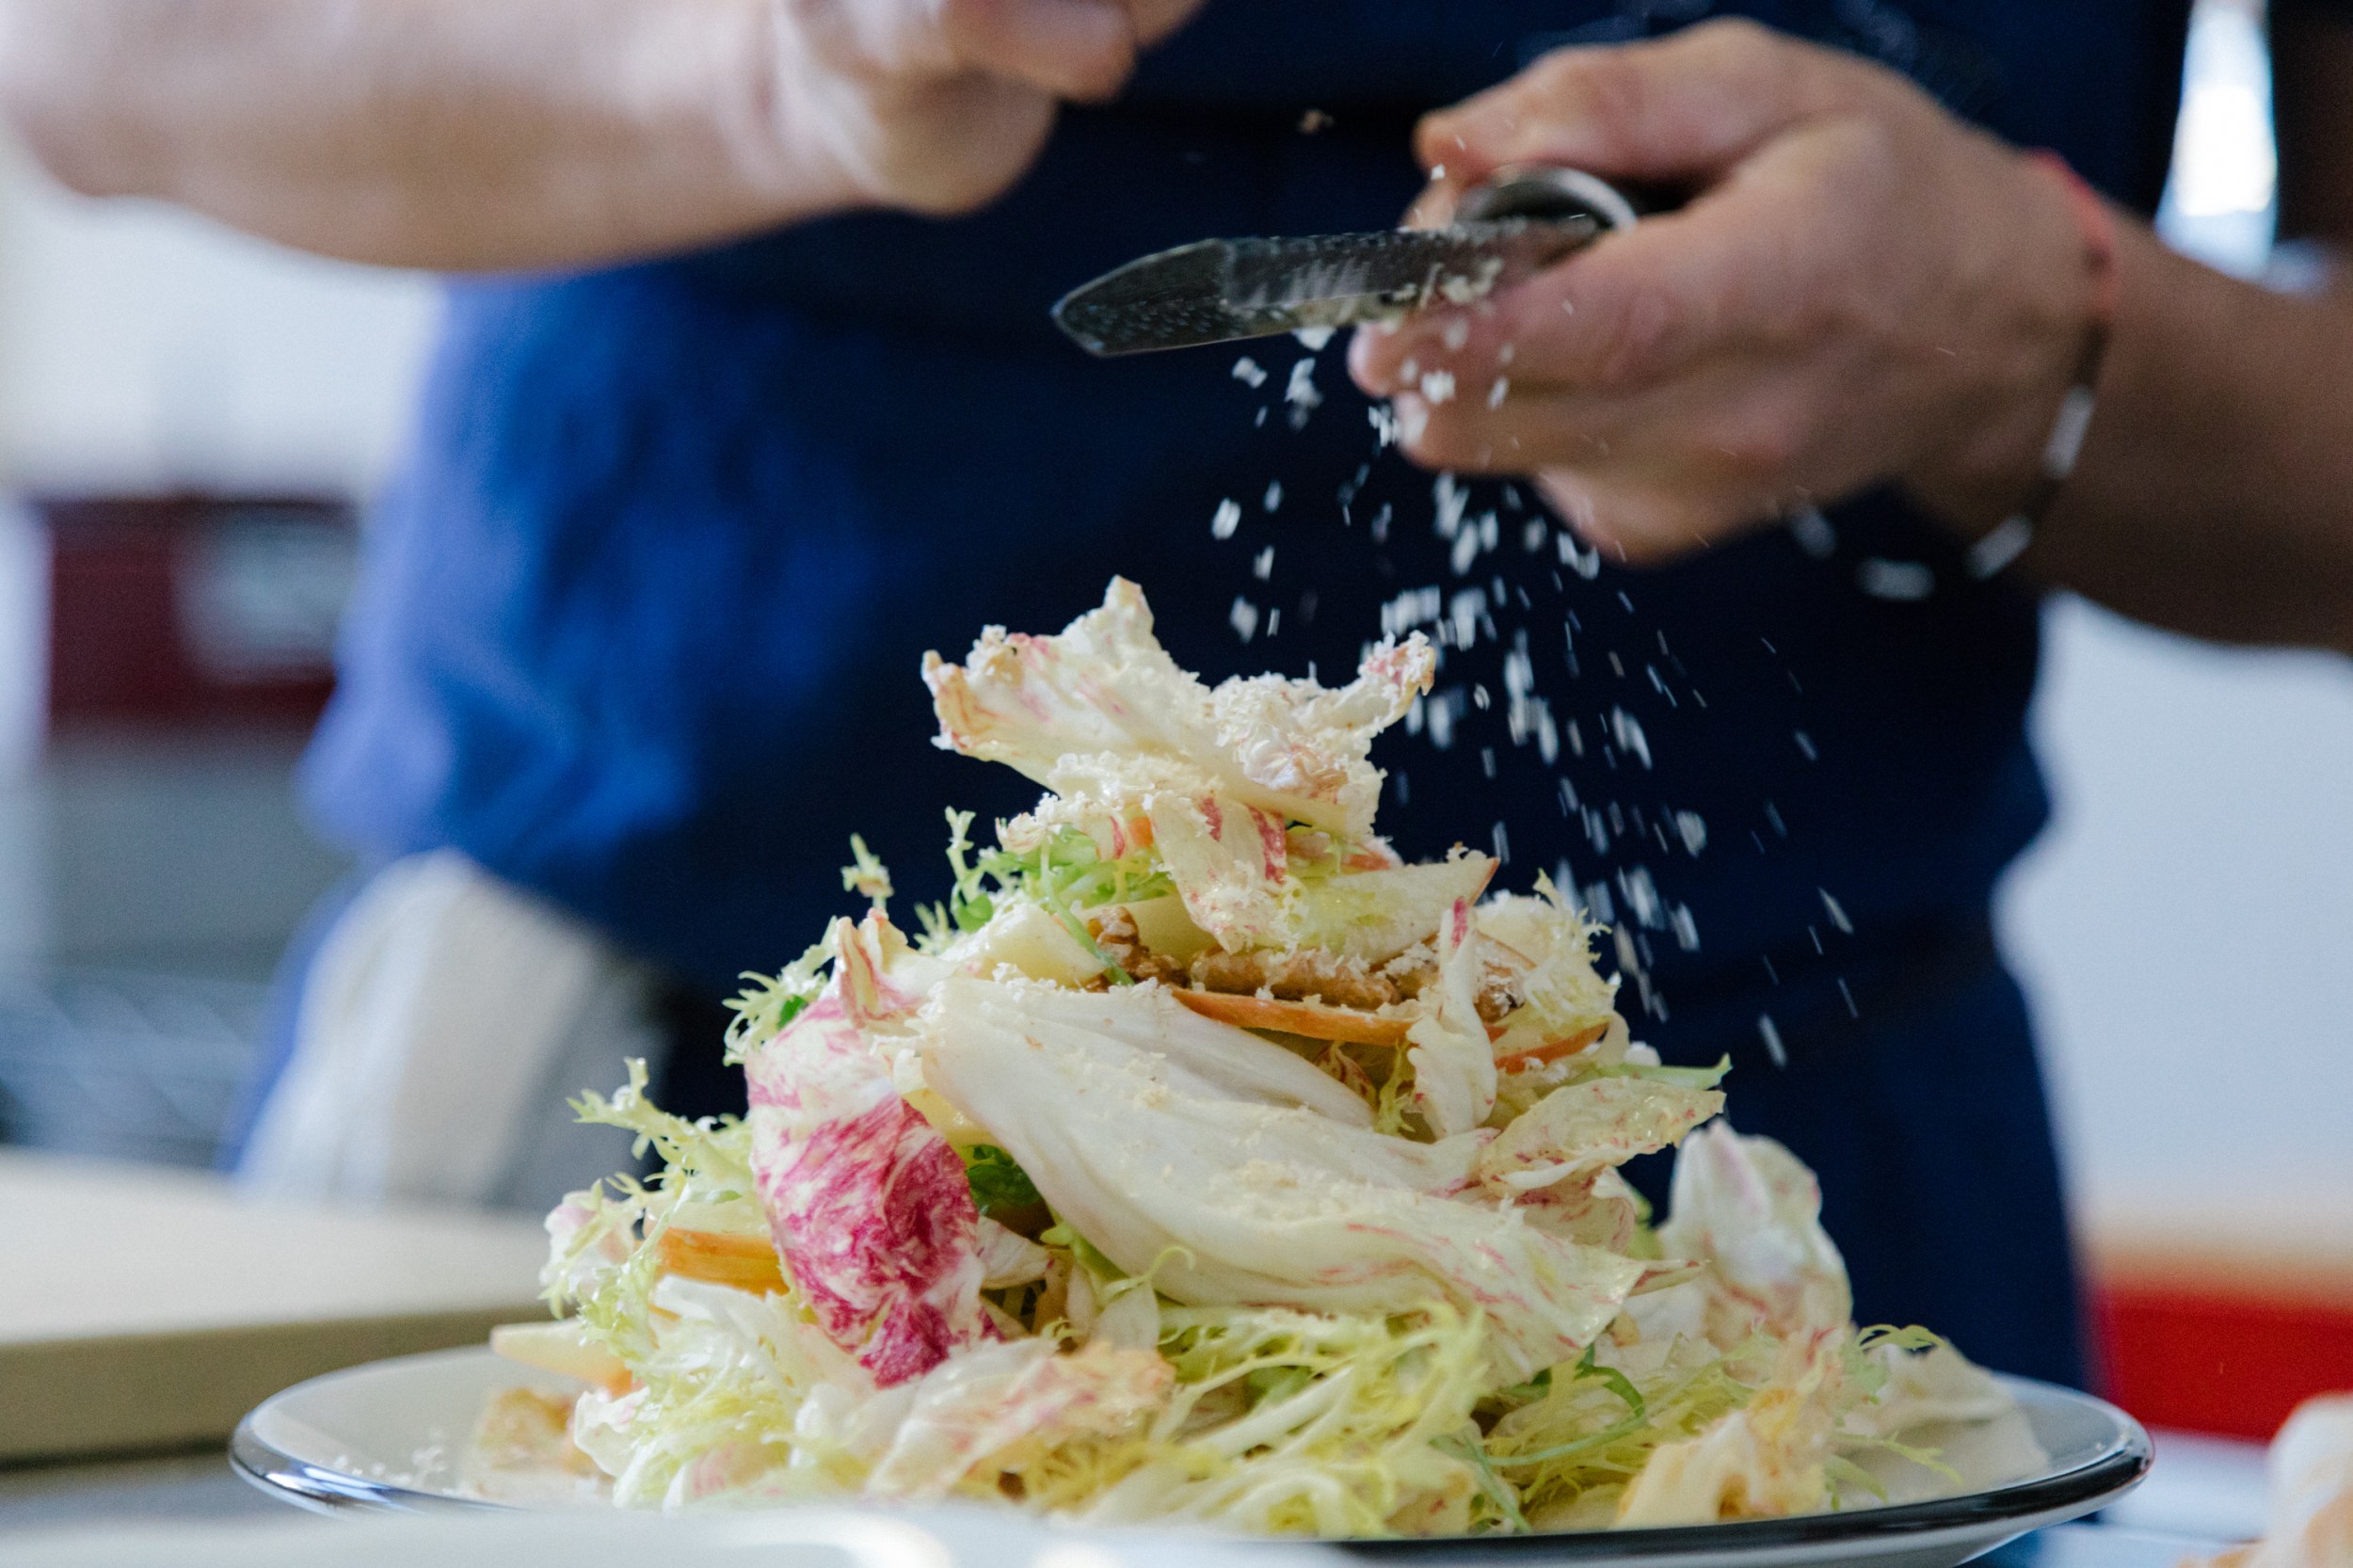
{"x":940,"y":105}
{"x":1865,"y":289}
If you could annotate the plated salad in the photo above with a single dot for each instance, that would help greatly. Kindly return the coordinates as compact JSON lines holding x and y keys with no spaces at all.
{"x":1199,"y":1160}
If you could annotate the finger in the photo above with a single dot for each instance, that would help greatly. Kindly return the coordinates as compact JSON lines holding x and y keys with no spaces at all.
{"x":1535,"y":428}
{"x":1082,"y":50}
{"x":1731,"y":444}
{"x":1734,"y":271}
{"x":1626,"y":314}
{"x":1684,"y":107}
{"x":1629,"y":525}
{"x":1434,"y":207}
{"x":1443,"y":434}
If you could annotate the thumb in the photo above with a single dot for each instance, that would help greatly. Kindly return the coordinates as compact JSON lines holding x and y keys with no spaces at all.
{"x":1685,"y":108}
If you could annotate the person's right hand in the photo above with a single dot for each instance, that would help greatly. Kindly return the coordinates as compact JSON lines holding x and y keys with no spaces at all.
{"x":940,"y":105}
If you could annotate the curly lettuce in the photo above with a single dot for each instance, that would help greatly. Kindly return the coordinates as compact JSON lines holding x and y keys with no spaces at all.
{"x":1203,"y":1163}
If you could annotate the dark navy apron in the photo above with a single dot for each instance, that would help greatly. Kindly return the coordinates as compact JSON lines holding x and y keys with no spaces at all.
{"x":641,"y":618}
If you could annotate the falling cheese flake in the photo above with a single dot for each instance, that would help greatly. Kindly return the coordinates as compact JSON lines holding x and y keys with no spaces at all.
{"x":1466,"y":552}
{"x":1247,"y":372}
{"x":1243,"y":618}
{"x":1452,"y":499}
{"x":1301,"y":393}
{"x":1901,"y":581}
{"x":1692,"y":829}
{"x":1228,"y":518}
{"x":1814,"y":533}
{"x":1439,"y":387}
{"x":1626,"y":731}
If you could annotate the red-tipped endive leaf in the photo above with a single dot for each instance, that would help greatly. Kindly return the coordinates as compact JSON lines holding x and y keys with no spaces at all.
{"x":868,"y":1206}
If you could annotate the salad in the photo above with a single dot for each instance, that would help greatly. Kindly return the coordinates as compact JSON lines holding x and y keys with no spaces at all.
{"x":1199,"y":1160}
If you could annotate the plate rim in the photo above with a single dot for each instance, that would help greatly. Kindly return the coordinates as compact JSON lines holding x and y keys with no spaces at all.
{"x":2026,"y":1505}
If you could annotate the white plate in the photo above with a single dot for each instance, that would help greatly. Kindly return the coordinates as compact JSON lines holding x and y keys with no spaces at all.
{"x":389,"y":1435}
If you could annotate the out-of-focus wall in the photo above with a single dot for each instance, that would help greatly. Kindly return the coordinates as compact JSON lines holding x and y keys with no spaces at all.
{"x":143,"y":349}
{"x":2186,"y":926}
{"x":152,"y":864}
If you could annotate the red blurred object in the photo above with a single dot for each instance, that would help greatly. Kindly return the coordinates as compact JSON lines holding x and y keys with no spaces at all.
{"x":193,"y":611}
{"x":2194,"y":1355}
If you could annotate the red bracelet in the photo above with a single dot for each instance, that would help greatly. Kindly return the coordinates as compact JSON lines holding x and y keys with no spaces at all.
{"x":2009,"y":538}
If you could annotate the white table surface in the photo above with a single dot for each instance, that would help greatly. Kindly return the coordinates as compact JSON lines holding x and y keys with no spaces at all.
{"x":99,"y":1249}
{"x":143,"y":1307}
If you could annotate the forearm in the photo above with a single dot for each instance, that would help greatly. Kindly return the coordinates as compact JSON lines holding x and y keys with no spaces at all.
{"x":2215,"y":495}
{"x":451,"y":133}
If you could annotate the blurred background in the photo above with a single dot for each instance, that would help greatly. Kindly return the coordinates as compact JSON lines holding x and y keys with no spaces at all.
{"x":189,"y":421}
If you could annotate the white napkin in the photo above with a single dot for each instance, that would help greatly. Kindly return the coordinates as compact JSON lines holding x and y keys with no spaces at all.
{"x":447,"y":1020}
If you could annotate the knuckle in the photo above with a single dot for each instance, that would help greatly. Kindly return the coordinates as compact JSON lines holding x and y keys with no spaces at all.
{"x":1611,"y":85}
{"x":1555,"y":70}
{"x":968,"y":29}
{"x":1604,"y":89}
{"x":1874,"y":156}
{"x":1732,"y":35}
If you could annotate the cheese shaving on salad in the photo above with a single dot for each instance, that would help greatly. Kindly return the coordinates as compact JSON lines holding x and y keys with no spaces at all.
{"x":1201,"y":1161}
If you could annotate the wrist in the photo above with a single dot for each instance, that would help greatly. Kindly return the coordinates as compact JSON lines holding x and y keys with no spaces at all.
{"x":1994,"y":485}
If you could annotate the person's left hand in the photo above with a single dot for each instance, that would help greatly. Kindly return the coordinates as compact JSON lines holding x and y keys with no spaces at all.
{"x":1865,"y":290}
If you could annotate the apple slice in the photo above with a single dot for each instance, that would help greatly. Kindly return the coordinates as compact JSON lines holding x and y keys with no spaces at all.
{"x":560,"y":1347}
{"x":1552,"y":1051}
{"x":1313,"y":1019}
{"x":746,"y":1262}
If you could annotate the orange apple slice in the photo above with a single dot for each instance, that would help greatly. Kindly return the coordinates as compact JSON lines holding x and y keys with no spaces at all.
{"x":1313,"y":1019}
{"x":718,"y":1258}
{"x":1553,"y":1051}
